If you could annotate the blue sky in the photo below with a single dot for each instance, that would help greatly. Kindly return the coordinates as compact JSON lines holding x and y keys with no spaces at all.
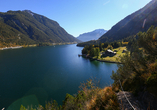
{"x":78,"y":16}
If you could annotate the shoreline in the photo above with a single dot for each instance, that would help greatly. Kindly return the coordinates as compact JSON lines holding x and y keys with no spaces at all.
{"x":99,"y":59}
{"x":64,"y":43}
{"x":108,"y":61}
{"x":7,"y":48}
{"x":36,"y":45}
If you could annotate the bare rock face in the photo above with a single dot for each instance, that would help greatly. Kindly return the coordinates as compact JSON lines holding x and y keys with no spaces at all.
{"x":144,"y":101}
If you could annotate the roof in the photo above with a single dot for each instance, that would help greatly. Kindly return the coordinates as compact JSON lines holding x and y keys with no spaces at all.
{"x":109,"y":50}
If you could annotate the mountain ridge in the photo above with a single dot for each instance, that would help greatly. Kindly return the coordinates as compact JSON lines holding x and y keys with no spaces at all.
{"x":133,"y":23}
{"x":31,"y":26}
{"x":93,"y":35}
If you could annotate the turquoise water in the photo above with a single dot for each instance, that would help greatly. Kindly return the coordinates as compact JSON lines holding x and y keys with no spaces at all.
{"x":32,"y":76}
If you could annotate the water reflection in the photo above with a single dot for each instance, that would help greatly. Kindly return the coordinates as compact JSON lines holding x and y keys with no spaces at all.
{"x":30,"y":100}
{"x":47,"y":73}
{"x":96,"y":63}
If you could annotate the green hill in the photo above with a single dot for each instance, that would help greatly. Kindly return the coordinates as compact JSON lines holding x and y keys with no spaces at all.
{"x":26,"y":27}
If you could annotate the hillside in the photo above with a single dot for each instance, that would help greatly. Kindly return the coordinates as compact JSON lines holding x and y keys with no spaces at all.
{"x":141,"y":20}
{"x":136,"y":77}
{"x":94,"y":35}
{"x":26,"y":27}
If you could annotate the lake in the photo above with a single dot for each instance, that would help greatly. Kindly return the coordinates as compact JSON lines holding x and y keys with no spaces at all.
{"x":32,"y":76}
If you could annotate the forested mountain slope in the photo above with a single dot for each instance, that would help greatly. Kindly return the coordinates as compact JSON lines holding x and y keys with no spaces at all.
{"x":140,"y":20}
{"x":26,"y":27}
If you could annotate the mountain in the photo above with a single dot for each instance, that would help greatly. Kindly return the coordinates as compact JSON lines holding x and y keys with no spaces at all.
{"x":26,"y":27}
{"x":140,"y":20}
{"x":94,"y":35}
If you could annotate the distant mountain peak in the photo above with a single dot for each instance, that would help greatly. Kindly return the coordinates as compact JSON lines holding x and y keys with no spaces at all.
{"x":93,"y":35}
{"x":99,"y":31}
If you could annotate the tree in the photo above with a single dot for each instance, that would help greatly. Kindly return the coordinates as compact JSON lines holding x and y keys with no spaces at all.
{"x":97,"y":51}
{"x":104,"y":45}
{"x":140,"y":66}
{"x":116,"y":44}
{"x":148,"y":41}
{"x":109,"y":47}
{"x":92,"y":52}
{"x":85,"y":50}
{"x":100,"y":46}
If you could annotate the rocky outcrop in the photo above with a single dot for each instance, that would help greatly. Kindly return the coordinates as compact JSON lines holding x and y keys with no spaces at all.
{"x":144,"y":101}
{"x":124,"y":104}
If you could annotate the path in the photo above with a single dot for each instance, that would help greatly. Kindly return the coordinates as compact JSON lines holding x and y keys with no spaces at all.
{"x":124,"y":105}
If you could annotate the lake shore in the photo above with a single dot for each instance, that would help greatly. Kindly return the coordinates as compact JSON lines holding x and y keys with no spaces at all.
{"x":108,"y":61}
{"x":91,"y":58}
{"x":16,"y":47}
{"x":35,"y":45}
{"x":64,"y":43}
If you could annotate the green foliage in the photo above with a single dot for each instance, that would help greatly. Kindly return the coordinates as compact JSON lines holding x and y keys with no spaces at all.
{"x":104,"y":45}
{"x":77,"y":102}
{"x":116,"y":44}
{"x":52,"y":106}
{"x":109,"y":47}
{"x":29,"y":108}
{"x":85,"y":50}
{"x":100,"y":46}
{"x":22,"y":108}
{"x":92,"y":52}
{"x":115,"y":76}
{"x":97,"y":51}
{"x":138,"y":69}
{"x":127,"y":39}
{"x":10,"y":36}
{"x":93,"y":42}
{"x":44,"y":44}
{"x":148,"y":41}
{"x":152,"y":80}
{"x":151,"y":83}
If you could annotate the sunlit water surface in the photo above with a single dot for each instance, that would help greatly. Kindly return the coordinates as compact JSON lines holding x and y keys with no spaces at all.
{"x":32,"y":76}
